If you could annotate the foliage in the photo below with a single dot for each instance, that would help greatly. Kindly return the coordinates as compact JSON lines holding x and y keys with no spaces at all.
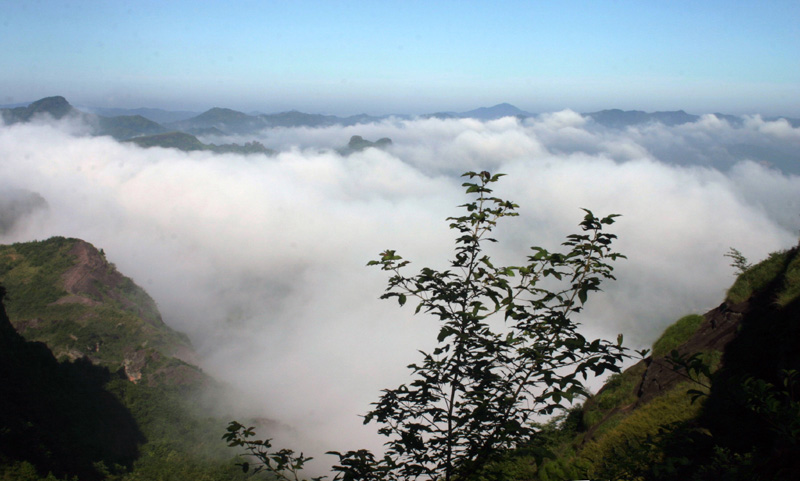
{"x":508,"y":350}
{"x":476,"y":394}
{"x":32,"y":271}
{"x":739,"y":261}
{"x":282,"y":464}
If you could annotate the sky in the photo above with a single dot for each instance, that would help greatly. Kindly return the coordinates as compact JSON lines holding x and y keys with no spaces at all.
{"x":405,"y":57}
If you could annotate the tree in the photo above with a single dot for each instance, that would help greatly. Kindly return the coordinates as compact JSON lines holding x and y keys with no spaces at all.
{"x":739,"y":261}
{"x":508,"y":348}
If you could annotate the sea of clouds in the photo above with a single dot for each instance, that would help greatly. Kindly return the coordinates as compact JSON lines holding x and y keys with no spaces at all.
{"x":261,"y":260}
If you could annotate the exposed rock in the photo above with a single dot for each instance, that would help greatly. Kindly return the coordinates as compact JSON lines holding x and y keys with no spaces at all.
{"x":717,"y":330}
{"x":93,"y":280}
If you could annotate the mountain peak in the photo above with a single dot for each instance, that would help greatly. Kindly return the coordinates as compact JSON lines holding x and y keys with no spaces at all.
{"x":57,"y":107}
{"x":495,"y":112}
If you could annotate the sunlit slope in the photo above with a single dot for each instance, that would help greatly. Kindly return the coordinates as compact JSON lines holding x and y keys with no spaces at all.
{"x":659,"y":421}
{"x":64,"y":292}
{"x":109,"y":391}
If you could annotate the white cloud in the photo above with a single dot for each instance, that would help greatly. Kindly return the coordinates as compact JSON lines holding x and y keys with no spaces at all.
{"x":261,"y":260}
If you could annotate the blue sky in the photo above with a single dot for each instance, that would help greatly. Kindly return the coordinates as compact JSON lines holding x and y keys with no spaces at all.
{"x":346,"y":57}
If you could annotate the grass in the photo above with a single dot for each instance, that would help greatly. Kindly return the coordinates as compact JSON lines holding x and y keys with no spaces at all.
{"x":677,"y":334}
{"x":674,"y":406}
{"x":758,"y":277}
{"x":618,"y":392}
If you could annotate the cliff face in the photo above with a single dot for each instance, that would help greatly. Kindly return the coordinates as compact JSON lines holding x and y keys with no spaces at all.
{"x":93,"y":384}
{"x":65,"y":293}
{"x":717,"y":330}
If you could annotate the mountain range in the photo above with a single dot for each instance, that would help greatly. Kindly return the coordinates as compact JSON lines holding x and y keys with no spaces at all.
{"x":129,"y":123}
{"x":180,"y":130}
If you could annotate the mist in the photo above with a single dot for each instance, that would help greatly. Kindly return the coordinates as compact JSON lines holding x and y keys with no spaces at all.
{"x":261,"y":260}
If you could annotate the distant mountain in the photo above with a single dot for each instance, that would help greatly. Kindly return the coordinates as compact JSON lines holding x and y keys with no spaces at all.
{"x":618,"y":119}
{"x":170,"y":140}
{"x":484,"y":113}
{"x":226,"y":120}
{"x":188,"y":143}
{"x":733,"y":120}
{"x":496,"y":112}
{"x":294,"y":118}
{"x":16,"y":204}
{"x":127,"y":126}
{"x":56,"y":107}
{"x":792,"y":121}
{"x":358,"y":143}
{"x":156,"y":115}
{"x":217,"y":123}
{"x":230,"y":121}
{"x":121,"y":127}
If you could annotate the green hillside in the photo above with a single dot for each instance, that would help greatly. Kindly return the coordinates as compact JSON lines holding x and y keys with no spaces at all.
{"x":94,"y":384}
{"x":717,"y":399}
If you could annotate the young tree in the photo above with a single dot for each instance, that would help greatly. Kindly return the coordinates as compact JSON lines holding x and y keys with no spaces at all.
{"x":508,"y":348}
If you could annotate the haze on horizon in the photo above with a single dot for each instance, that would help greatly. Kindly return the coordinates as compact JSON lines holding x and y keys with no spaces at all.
{"x":350,"y":57}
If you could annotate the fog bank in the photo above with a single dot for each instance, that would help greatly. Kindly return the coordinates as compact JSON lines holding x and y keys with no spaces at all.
{"x":262,"y":260}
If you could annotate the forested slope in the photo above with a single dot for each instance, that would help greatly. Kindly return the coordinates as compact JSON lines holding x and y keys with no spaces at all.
{"x":93,"y":384}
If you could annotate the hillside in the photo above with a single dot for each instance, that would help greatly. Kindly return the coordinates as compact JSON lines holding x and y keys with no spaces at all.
{"x":739,"y":360}
{"x":94,"y":382}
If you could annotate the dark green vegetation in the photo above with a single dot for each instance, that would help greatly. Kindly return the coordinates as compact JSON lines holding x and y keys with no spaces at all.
{"x":99,"y":387}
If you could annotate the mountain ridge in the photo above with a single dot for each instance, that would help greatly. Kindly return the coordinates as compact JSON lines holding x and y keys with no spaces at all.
{"x":293,"y":118}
